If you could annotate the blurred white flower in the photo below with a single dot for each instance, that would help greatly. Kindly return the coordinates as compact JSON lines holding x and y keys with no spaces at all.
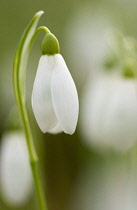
{"x":109,"y":112}
{"x":15,"y":172}
{"x":54,"y":97}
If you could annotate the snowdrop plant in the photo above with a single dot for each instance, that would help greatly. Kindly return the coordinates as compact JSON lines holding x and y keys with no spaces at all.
{"x":109,"y":112}
{"x":109,"y":105}
{"x":54,"y":96}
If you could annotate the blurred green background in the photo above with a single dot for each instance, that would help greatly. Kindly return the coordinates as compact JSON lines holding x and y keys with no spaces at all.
{"x":63,"y":158}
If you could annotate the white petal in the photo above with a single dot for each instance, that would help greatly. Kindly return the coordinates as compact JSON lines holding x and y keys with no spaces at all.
{"x":121,"y":116}
{"x":15,"y":172}
{"x":64,"y":96}
{"x":41,"y":95}
{"x":56,"y":130}
{"x":96,"y":95}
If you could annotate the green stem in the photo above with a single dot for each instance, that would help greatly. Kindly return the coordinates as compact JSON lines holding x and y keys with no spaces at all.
{"x":40,"y":195}
{"x":20,"y":65}
{"x":37,"y":31}
{"x":32,"y":152}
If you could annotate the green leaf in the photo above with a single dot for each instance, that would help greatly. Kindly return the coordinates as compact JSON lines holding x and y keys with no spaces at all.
{"x":19,"y":71}
{"x":22,"y":55}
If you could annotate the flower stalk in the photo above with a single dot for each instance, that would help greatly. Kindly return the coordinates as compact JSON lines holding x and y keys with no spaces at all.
{"x":19,"y":71}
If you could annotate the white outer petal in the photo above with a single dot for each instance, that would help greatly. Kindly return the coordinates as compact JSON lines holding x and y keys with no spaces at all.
{"x":121,"y":117}
{"x":56,"y":130}
{"x":41,"y":95}
{"x":64,"y":96}
{"x":96,"y":95}
{"x":109,"y":113}
{"x":15,"y":173}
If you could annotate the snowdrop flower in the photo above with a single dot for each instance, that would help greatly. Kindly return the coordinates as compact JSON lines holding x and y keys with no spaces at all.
{"x":15,"y":172}
{"x":109,"y":112}
{"x":54,"y":96}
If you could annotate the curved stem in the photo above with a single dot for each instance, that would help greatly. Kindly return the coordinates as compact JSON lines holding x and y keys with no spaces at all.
{"x":31,"y":149}
{"x":20,"y":65}
{"x":44,"y":28}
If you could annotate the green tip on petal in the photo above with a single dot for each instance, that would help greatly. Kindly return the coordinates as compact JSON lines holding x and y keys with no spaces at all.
{"x":50,"y":45}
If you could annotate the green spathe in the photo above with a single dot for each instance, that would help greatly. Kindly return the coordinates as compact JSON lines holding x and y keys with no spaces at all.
{"x":50,"y":45}
{"x":20,"y":66}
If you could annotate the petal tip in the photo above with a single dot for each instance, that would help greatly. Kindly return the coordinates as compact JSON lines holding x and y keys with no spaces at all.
{"x":42,"y":130}
{"x":70,"y":132}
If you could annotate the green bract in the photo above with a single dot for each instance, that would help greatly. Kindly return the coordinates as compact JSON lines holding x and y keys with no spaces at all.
{"x":50,"y":45}
{"x":19,"y":72}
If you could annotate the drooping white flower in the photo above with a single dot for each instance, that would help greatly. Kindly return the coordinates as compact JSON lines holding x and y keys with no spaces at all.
{"x":15,"y":172}
{"x":54,"y":97}
{"x":109,"y":112}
